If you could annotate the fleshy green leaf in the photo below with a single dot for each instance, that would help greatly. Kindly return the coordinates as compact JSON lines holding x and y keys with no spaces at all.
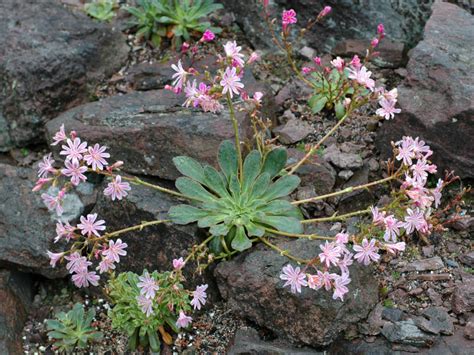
{"x":275,"y":161}
{"x":340,"y":110}
{"x":277,"y":207}
{"x":241,"y":241}
{"x":193,"y":189}
{"x":282,"y":187}
{"x":219,"y":229}
{"x":184,"y":214}
{"x":318,"y":103}
{"x":261,"y":185}
{"x":211,"y":220}
{"x":215,"y":181}
{"x":252,"y":166}
{"x":189,"y":167}
{"x":253,"y":230}
{"x":284,"y":224}
{"x":227,"y":158}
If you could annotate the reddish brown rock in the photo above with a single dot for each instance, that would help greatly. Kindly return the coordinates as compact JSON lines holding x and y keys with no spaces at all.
{"x":463,"y":298}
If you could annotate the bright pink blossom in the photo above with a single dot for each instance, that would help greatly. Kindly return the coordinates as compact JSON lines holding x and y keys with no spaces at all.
{"x":355,"y":62}
{"x":74,"y":171}
{"x":288,"y":17}
{"x":366,"y":252}
{"x":199,"y":297}
{"x":147,"y":285}
{"x":325,"y":11}
{"x":208,"y":36}
{"x":115,"y":250}
{"x":183,"y":320}
{"x":381,"y":30}
{"x":117,"y":189}
{"x":90,"y":226}
{"x":231,"y":82}
{"x":374,"y":43}
{"x":96,"y":157}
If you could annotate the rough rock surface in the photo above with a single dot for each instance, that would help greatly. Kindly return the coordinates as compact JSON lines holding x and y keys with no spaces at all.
{"x":16,"y":294}
{"x":406,"y":332}
{"x":49,"y":58}
{"x":250,"y":284}
{"x":154,"y":247}
{"x":348,"y":20}
{"x":437,"y":97}
{"x":147,"y":129}
{"x":27,"y":228}
{"x":463,"y":298}
{"x":293,"y":131}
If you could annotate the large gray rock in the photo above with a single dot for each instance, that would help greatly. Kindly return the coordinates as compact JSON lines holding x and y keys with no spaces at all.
{"x":146,"y":130}
{"x":250,"y":283}
{"x":50,"y":58}
{"x":437,"y":97}
{"x":16,"y":293}
{"x":349,"y":19}
{"x":27,"y":228}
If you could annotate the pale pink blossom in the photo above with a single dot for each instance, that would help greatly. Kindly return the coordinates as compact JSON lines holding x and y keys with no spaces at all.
{"x":257,"y":96}
{"x":331,"y":253}
{"x":46,"y":166}
{"x":74,"y":171}
{"x":209,"y":104}
{"x":387,"y":109}
{"x":340,"y":286}
{"x":326,"y":278}
{"x":183,"y":320}
{"x":199,"y":297}
{"x":180,"y":75}
{"x":375,"y":42}
{"x":362,"y":76}
{"x":253,"y":58}
{"x":288,"y":17}
{"x":40,"y":183}
{"x":338,"y":63}
{"x":378,"y":218}
{"x":53,"y":203}
{"x":76,"y":262}
{"x":325,"y":11}
{"x":232,"y":51}
{"x":59,"y":136}
{"x":421,"y":150}
{"x":405,"y":151}
{"x":366,"y":252}
{"x":420,"y":196}
{"x":293,"y":277}
{"x":345,"y":262}
{"x":208,"y":36}
{"x":105,"y":265}
{"x":64,"y":231}
{"x":436,"y":192}
{"x":54,"y":258}
{"x":145,"y":304}
{"x":391,"y":95}
{"x":96,"y":157}
{"x":355,"y":62}
{"x":314,"y":282}
{"x":90,"y":226}
{"x":231,"y":82}
{"x":115,"y":250}
{"x":83,"y":277}
{"x":74,"y":150}
{"x":394,"y":248}
{"x":191,"y":93}
{"x":414,"y":220}
{"x":178,"y":263}
{"x":392,"y":228}
{"x":117,"y":189}
{"x":148,"y":285}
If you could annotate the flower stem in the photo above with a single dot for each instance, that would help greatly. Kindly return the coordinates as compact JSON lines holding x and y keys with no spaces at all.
{"x":191,"y":254}
{"x":235,"y":124}
{"x":128,"y":229}
{"x":297,"y":235}
{"x":335,"y":217}
{"x":315,"y":147}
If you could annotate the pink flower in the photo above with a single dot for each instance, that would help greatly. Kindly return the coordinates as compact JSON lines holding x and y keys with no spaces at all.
{"x":331,"y":253}
{"x":180,"y":75}
{"x":117,"y":189}
{"x":178,"y":263}
{"x":40,"y":183}
{"x":391,"y":95}
{"x":325,"y":11}
{"x":405,"y":151}
{"x":338,"y":63}
{"x":53,"y":203}
{"x":317,"y":61}
{"x":387,"y":109}
{"x":76,"y":262}
{"x":421,"y":169}
{"x":314,"y":282}
{"x":54,"y":258}
{"x":366,"y":252}
{"x":83,"y":277}
{"x":378,"y":218}
{"x":208,"y":36}
{"x":115,"y":250}
{"x":326,"y":278}
{"x":355,"y":62}
{"x":392,"y":226}
{"x":46,"y":166}
{"x":64,"y":231}
{"x":257,"y":96}
{"x":306,"y":70}
{"x":345,"y":262}
{"x":183,"y":320}
{"x":89,"y":225}
{"x":231,"y":82}
{"x":96,"y":157}
{"x":436,"y":192}
{"x":288,"y":17}
{"x":232,"y":51}
{"x":374,"y":43}
{"x":421,"y":150}
{"x":342,"y":239}
{"x":381,"y":30}
{"x":199,"y":297}
{"x":294,"y":278}
{"x":420,"y":196}
{"x":393,"y":248}
{"x":74,"y":171}
{"x":340,"y":288}
{"x":105,"y":265}
{"x":145,"y":304}
{"x":147,"y":285}
{"x":362,"y":76}
{"x":59,"y":136}
{"x":414,"y":220}
{"x":253,"y":58}
{"x":74,"y":150}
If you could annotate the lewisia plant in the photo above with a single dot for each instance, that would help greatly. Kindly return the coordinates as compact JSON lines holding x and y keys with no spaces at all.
{"x":246,"y":200}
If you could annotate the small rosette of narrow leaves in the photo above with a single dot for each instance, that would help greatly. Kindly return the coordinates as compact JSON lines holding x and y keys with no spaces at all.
{"x":233,"y":210}
{"x":73,"y":330}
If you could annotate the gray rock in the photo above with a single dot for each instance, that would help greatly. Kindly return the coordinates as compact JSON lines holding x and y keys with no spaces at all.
{"x":27,"y":228}
{"x":437,"y":97}
{"x":250,"y":284}
{"x":407,"y":333}
{"x":430,"y":264}
{"x":435,"y":320}
{"x":467,"y":258}
{"x":345,"y":174}
{"x":463,"y":298}
{"x":293,"y":131}
{"x":16,"y":293}
{"x":51,"y":58}
{"x":146,"y":130}
{"x":342,"y":160}
{"x":393,"y":314}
